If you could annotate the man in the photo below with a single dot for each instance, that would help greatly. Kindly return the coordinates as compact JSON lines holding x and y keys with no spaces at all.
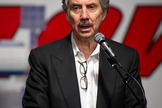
{"x":73,"y":72}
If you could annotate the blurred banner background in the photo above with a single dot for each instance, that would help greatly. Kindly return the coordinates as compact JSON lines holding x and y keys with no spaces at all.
{"x":26,"y":24}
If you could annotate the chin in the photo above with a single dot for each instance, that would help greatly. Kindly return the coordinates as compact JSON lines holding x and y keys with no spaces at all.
{"x":86,"y":34}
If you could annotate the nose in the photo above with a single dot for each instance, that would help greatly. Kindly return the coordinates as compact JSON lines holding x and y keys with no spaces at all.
{"x":84,"y":13}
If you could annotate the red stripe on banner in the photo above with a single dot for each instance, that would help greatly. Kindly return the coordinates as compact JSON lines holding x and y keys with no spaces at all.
{"x":9,"y":21}
{"x":142,"y":29}
{"x":58,"y":27}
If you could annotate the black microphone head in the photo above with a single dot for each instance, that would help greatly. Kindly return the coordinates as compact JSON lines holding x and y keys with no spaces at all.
{"x":99,"y":37}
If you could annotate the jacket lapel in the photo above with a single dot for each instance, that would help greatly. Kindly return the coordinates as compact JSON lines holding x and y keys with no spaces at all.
{"x":66,"y":73}
{"x":106,"y":82}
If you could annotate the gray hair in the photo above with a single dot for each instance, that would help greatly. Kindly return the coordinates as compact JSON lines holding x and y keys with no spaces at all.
{"x":104,"y":5}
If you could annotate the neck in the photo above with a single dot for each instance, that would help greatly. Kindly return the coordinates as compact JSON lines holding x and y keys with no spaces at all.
{"x":86,"y":46}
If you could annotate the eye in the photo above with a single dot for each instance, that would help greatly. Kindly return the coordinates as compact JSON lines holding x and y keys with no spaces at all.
{"x":76,"y":9}
{"x":92,"y":7}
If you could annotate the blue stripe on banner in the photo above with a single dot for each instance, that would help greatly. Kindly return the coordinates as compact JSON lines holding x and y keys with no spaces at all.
{"x":32,"y":17}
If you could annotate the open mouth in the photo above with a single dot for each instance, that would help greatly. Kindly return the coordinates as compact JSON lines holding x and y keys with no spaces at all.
{"x":85,"y":28}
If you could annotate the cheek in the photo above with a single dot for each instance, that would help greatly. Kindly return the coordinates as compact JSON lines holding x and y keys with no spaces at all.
{"x":97,"y":20}
{"x":73,"y":21}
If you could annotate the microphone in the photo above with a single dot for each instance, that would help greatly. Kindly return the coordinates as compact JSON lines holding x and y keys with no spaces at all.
{"x":100,"y":38}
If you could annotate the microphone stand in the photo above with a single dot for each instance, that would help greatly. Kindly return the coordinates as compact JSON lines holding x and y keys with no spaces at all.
{"x":100,"y":38}
{"x":113,"y":62}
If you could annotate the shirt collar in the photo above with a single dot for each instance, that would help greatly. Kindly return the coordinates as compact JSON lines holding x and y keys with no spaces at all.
{"x":76,"y":49}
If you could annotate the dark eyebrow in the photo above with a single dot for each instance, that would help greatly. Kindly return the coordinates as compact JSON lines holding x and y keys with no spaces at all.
{"x":92,"y":4}
{"x":74,"y":4}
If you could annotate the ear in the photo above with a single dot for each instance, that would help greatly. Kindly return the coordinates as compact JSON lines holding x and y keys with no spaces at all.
{"x":104,"y":14}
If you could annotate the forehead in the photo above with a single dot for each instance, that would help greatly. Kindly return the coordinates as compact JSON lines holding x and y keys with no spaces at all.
{"x":83,"y":1}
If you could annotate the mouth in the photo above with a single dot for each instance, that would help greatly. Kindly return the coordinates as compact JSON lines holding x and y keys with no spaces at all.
{"x":85,"y":26}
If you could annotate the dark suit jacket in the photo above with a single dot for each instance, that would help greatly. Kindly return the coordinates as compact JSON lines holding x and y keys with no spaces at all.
{"x":52,"y":81}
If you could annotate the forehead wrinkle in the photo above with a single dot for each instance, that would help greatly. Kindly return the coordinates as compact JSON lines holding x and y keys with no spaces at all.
{"x":79,"y":2}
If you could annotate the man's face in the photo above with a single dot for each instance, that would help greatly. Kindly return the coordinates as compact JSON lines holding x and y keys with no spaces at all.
{"x":85,"y":17}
